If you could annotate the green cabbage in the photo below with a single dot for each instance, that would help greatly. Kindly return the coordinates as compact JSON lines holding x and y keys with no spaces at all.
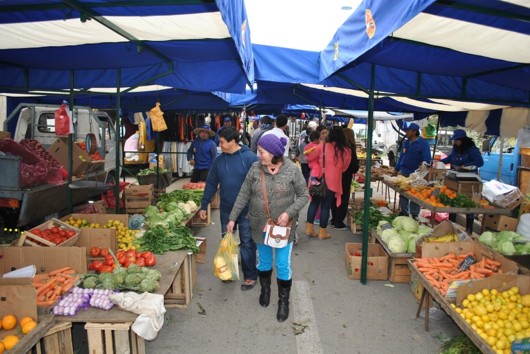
{"x":387,"y":234}
{"x":411,"y":245}
{"x":151,"y":211}
{"x":379,"y":229}
{"x":396,"y":223}
{"x":487,"y":238}
{"x":507,"y":248}
{"x":397,"y":245}
{"x":405,"y":223}
{"x":405,"y":234}
{"x":423,"y":230}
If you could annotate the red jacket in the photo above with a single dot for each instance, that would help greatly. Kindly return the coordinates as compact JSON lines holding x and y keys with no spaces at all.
{"x":336,"y":164}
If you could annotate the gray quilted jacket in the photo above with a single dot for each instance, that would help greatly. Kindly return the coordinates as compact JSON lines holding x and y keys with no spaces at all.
{"x":286,"y":192}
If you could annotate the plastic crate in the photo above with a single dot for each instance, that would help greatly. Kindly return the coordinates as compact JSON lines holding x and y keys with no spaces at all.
{"x":10,"y":172}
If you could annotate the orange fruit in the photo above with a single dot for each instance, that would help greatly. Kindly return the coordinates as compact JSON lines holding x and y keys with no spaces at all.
{"x":25,"y":320}
{"x":29,"y":326}
{"x":1,"y":347}
{"x":9,"y":322}
{"x":10,"y":342}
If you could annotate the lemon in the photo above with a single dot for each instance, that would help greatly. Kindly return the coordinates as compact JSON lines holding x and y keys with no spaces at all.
{"x":491,"y":341}
{"x":525,"y":324}
{"x":501,"y":344}
{"x":485,"y":292}
{"x":471,"y":297}
{"x":491,"y":332}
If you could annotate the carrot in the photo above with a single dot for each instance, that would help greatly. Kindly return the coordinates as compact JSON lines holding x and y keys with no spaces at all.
{"x":492,"y":263}
{"x":60,"y":279}
{"x":40,"y":278}
{"x":67,"y":287}
{"x":45,"y":303}
{"x":483,"y":271}
{"x":69,"y":272}
{"x":60,"y":270}
{"x":45,"y":287}
{"x":444,"y":265}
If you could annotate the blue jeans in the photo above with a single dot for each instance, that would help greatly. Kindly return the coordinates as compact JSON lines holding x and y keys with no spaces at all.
{"x":325,"y":206}
{"x":247,"y":248}
{"x":283,"y":260}
{"x":407,"y":207}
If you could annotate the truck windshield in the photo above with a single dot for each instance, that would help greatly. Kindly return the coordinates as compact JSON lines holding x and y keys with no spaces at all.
{"x":46,"y":123}
{"x":508,"y":146}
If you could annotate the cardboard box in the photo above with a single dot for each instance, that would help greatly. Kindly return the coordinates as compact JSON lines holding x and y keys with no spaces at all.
{"x":417,"y":289}
{"x":17,"y":297}
{"x":500,"y":222}
{"x":467,"y":188}
{"x":80,"y":158}
{"x":501,"y":282}
{"x":444,"y":228}
{"x":441,"y":249}
{"x":377,"y":261}
{"x":45,"y":259}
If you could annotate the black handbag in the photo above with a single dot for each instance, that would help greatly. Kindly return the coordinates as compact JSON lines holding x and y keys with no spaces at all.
{"x":319,"y":190}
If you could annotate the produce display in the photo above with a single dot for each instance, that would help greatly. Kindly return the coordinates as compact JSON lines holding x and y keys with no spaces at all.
{"x":125,"y":237}
{"x":508,"y":243}
{"x":9,"y":322}
{"x":125,"y":259}
{"x":497,"y":317}
{"x":35,"y":147}
{"x":194,"y":185}
{"x":375,"y":216}
{"x":161,"y":239}
{"x":82,"y":299}
{"x":54,"y":234}
{"x":51,"y":286}
{"x":401,"y":235}
{"x":441,"y":272}
{"x":95,"y":156}
{"x":151,"y":171}
{"x":134,"y":278}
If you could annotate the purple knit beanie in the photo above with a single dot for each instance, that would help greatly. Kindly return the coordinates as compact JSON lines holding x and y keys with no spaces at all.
{"x":273,"y":144}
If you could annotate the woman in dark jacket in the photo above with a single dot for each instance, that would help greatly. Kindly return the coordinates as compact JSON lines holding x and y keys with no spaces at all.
{"x":338,"y":213}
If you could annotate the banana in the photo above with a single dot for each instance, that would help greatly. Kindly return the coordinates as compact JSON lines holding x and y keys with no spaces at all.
{"x":443,"y":239}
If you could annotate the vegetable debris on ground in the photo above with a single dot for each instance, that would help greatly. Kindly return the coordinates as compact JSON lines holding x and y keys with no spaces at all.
{"x":458,"y":345}
{"x":160,"y":239}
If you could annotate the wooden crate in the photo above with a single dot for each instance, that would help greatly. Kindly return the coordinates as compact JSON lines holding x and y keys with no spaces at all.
{"x":29,"y":239}
{"x":137,"y":198}
{"x":216,"y":200}
{"x":201,"y":256}
{"x":58,"y":339}
{"x":180,"y":292}
{"x":398,"y":270}
{"x":197,"y":221}
{"x":110,"y":338}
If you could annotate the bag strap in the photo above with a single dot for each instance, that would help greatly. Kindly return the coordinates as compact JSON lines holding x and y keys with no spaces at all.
{"x":264,"y":189}
{"x":324,"y":159}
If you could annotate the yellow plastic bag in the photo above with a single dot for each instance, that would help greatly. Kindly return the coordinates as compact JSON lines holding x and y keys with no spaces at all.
{"x":157,"y":118}
{"x":225,"y":262}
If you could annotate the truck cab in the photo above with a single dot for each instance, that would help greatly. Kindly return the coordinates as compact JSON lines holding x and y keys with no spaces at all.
{"x":492,"y":161}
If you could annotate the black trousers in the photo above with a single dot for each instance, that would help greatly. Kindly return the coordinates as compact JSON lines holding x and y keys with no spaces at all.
{"x":338,"y":213}
{"x":199,"y":175}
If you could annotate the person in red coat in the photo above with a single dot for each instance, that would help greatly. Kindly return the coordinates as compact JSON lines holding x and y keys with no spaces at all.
{"x":334,"y":159}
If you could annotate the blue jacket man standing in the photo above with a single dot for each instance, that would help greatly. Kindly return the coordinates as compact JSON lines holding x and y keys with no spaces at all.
{"x":228,"y":171}
{"x":201,"y":153}
{"x":414,"y":152}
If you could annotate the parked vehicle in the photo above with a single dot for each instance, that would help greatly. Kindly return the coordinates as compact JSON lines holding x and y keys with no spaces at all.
{"x":19,"y":206}
{"x":492,"y":161}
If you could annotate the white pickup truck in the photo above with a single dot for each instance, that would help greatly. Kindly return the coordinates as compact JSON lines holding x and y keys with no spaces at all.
{"x":19,"y":206}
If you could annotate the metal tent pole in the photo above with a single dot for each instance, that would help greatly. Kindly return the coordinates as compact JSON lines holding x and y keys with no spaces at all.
{"x":368,"y":178}
{"x":436,"y":139}
{"x":117,"y":147}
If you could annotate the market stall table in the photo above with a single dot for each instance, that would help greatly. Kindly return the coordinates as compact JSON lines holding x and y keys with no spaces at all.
{"x":435,"y":209}
{"x":429,"y":294}
{"x":45,"y":322}
{"x":398,"y":271}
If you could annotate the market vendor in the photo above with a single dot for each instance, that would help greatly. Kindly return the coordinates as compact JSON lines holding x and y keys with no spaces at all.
{"x":414,"y":152}
{"x":227,"y":122}
{"x":465,"y":157}
{"x":201,"y":153}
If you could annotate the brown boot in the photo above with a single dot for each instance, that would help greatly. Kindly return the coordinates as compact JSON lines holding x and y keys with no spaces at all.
{"x":323,"y":234}
{"x":309,"y":231}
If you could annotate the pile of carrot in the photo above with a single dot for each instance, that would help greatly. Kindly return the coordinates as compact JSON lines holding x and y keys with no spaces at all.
{"x":442,"y":271}
{"x":51,"y":286}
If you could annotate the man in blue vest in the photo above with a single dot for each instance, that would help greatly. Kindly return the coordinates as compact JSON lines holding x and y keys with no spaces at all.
{"x":201,"y":153}
{"x":414,"y":152}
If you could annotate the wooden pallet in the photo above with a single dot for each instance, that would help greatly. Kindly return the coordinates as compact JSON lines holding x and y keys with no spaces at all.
{"x":137,"y":198}
{"x":57,"y":340}
{"x":180,"y":292}
{"x":110,"y":338}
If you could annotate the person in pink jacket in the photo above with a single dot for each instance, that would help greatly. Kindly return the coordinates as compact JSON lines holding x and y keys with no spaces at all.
{"x":312,"y":152}
{"x":333,"y":160}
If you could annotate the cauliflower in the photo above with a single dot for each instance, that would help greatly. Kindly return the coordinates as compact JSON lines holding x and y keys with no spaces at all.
{"x":192,"y":205}
{"x":397,"y":245}
{"x":186,"y":208}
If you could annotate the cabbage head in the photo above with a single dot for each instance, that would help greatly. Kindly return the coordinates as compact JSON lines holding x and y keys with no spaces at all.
{"x":411,"y":245}
{"x":404,"y":235}
{"x":379,"y":229}
{"x":522,"y":249}
{"x":423,"y":230}
{"x":397,"y":245}
{"x":387,"y":234}
{"x":409,"y":224}
{"x":396,"y":223}
{"x":150,"y":211}
{"x":507,"y":248}
{"x":487,"y":238}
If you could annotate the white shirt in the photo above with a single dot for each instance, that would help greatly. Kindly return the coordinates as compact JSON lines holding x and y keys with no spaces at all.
{"x":280,"y":134}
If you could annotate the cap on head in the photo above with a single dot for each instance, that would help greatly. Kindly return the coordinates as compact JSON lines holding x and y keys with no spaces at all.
{"x":413,"y":126}
{"x":458,"y":134}
{"x":312,"y":125}
{"x":227,"y":119}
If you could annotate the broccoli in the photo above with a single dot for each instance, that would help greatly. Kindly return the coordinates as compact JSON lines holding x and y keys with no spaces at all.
{"x":153,"y":274}
{"x":134,"y":280}
{"x":90,"y":282}
{"x":119,"y":275}
{"x":107,"y":281}
{"x":134,"y":268}
{"x":148,"y":285}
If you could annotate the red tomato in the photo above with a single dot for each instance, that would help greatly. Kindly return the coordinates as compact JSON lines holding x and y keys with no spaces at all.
{"x":109,"y":261}
{"x":131,"y":252}
{"x":70,"y":233}
{"x":96,"y":265}
{"x":130,"y":258}
{"x":120,"y":253}
{"x":121,"y":259}
{"x":104,"y":252}
{"x":95,"y":251}
{"x":37,"y":232}
{"x":127,"y":264}
{"x":150,"y":260}
{"x":54,"y":230}
{"x":138,"y":254}
{"x":62,"y":233}
{"x":146,"y":254}
{"x":106,"y":269}
{"x":140,"y":262}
